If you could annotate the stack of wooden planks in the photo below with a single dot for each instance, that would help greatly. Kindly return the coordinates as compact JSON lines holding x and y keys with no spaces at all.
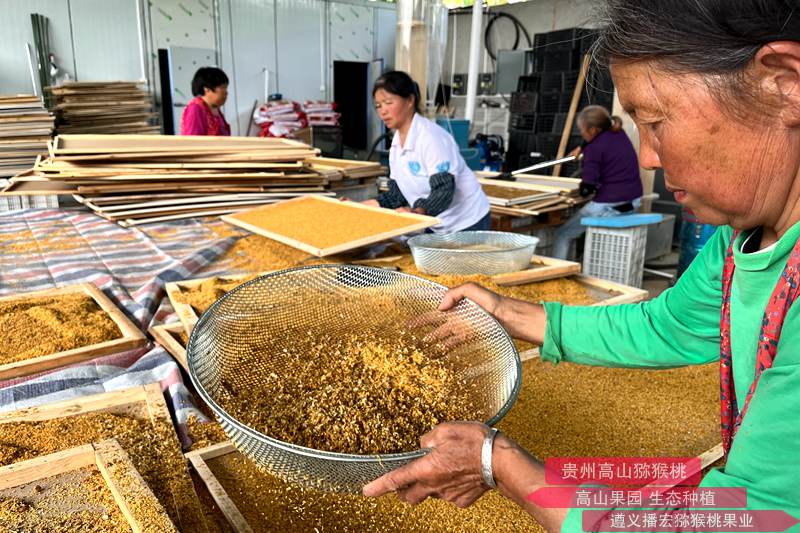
{"x":135,"y":179}
{"x":103,"y":107}
{"x":25,"y":128}
{"x":530,"y":195}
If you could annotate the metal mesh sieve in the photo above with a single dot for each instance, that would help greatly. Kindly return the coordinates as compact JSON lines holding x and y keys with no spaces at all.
{"x":472,"y":252}
{"x":262,"y":316}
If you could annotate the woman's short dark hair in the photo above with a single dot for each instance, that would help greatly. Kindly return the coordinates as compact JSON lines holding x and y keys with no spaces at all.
{"x":398,"y":83}
{"x":207,"y":78}
{"x":716,"y":39}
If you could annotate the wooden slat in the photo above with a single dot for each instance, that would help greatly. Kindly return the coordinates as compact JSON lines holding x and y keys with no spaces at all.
{"x":130,"y":491}
{"x":573,"y":107}
{"x":198,"y":460}
{"x":23,"y":472}
{"x":165,"y":335}
{"x":542,"y":268}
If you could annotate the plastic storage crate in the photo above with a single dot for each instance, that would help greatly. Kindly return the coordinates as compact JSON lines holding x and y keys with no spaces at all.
{"x":615,"y":247}
{"x":522,"y":121}
{"x":523,"y":103}
{"x":37,"y":201}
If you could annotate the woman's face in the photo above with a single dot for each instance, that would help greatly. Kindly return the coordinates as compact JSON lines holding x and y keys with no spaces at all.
{"x":218,"y":96}
{"x":394,"y":110}
{"x":726,"y":170}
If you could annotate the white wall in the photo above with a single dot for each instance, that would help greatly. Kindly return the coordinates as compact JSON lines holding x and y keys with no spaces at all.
{"x":295,"y":40}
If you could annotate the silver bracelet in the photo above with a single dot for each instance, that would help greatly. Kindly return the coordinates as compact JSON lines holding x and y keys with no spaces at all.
{"x":486,"y":458}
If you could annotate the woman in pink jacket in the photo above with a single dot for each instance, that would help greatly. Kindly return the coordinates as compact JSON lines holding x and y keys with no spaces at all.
{"x":203,"y":115}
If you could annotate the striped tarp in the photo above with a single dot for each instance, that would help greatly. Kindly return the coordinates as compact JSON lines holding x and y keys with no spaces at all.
{"x":51,"y":248}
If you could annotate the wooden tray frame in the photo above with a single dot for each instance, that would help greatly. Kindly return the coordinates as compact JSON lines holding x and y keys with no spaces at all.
{"x":131,"y":337}
{"x":164,"y":334}
{"x":197,"y":459}
{"x":421,"y":222}
{"x":542,"y":268}
{"x":105,"y":456}
{"x":143,"y":402}
{"x":186,"y":313}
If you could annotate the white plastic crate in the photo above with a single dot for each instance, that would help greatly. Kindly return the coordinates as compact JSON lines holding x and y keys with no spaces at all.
{"x":615,"y":254}
{"x":37,"y":201}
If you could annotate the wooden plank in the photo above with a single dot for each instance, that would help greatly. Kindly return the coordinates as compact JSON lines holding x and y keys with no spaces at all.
{"x":619,"y":293}
{"x":201,"y":200}
{"x":420,"y":222}
{"x":165,"y":335}
{"x":711,"y":456}
{"x":131,"y":337}
{"x":573,"y":107}
{"x":173,"y":209}
{"x":129,"y":489}
{"x":198,"y":460}
{"x":128,"y":222}
{"x":542,"y":268}
{"x":536,"y":181}
{"x":131,"y":402}
{"x":23,"y":472}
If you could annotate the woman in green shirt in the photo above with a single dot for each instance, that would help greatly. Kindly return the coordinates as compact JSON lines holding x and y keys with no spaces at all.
{"x":714,"y":88}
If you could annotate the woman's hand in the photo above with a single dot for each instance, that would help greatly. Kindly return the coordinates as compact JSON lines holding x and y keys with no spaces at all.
{"x":451,"y":471}
{"x":372,"y":202}
{"x":416,"y":210}
{"x":522,"y":320}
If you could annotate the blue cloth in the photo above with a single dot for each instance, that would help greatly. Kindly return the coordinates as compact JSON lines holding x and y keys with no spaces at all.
{"x":610,"y":163}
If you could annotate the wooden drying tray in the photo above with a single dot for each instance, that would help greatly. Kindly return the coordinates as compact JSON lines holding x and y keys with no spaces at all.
{"x":168,"y":336}
{"x":126,"y":485}
{"x":131,"y":337}
{"x":416,"y":223}
{"x":143,"y":402}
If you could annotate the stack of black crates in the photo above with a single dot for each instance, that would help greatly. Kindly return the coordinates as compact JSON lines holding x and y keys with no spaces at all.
{"x":539,"y":107}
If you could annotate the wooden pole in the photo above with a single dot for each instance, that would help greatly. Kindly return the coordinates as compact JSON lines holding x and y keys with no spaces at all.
{"x":573,"y":107}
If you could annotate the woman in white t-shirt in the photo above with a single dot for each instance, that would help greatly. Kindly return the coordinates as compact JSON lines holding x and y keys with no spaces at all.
{"x":428,"y":174}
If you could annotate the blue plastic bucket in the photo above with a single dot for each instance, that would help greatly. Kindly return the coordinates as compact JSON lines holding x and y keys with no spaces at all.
{"x":694,"y":235}
{"x":459,"y":128}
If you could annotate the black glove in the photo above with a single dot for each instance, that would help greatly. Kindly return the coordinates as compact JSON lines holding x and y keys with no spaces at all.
{"x":505,"y":176}
{"x":587,"y":189}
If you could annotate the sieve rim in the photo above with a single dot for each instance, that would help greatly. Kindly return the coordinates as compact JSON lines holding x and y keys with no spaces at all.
{"x":325,"y":454}
{"x":412,"y":242}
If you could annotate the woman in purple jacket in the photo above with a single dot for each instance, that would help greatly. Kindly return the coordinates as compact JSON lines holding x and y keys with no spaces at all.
{"x":610,"y":170}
